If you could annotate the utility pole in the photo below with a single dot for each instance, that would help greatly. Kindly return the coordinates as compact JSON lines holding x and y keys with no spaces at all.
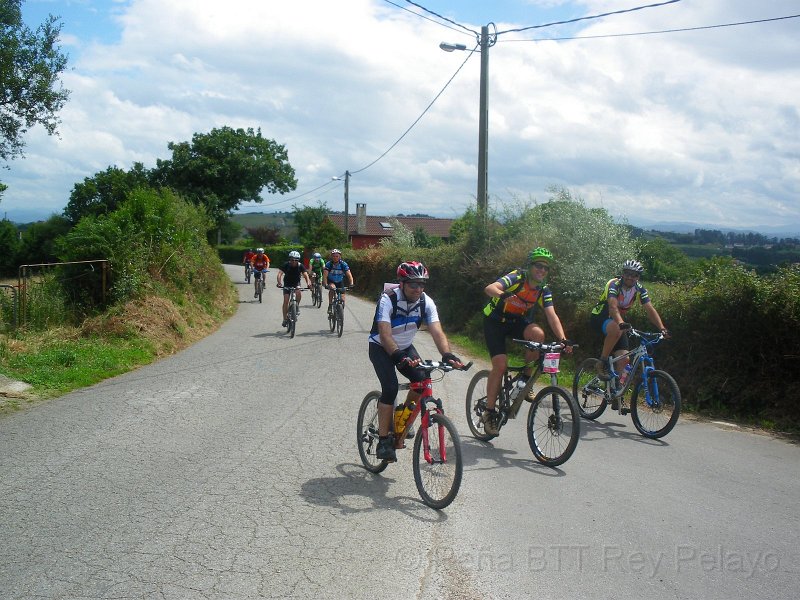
{"x":483,"y":130}
{"x":347,"y":206}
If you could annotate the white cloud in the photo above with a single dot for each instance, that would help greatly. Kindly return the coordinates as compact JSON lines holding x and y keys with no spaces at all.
{"x":699,"y":126}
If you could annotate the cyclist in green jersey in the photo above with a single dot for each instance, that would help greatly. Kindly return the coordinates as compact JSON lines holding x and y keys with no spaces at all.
{"x":315,"y":266}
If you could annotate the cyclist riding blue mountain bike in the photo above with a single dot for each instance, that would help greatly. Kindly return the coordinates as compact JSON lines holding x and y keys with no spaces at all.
{"x":608,"y":316}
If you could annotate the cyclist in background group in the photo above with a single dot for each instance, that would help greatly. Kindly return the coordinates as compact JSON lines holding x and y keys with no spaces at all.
{"x":514,"y":298}
{"x":247,"y":259}
{"x":316,"y":266}
{"x":334,"y":274}
{"x":608,"y":316}
{"x":260,"y":265}
{"x":289,"y":277}
{"x":400,"y":313}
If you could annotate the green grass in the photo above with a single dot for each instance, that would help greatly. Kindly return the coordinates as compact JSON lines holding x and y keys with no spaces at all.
{"x":54,"y":367}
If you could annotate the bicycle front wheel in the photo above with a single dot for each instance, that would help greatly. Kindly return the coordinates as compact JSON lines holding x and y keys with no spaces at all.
{"x":476,"y":406}
{"x":319,"y":296}
{"x":588,"y":390}
{"x":655,"y":407}
{"x":260,"y":290}
{"x":554,"y":426}
{"x":367,"y":433}
{"x":292,"y":316}
{"x":339,"y":319}
{"x":332,"y":318}
{"x":438,"y":467}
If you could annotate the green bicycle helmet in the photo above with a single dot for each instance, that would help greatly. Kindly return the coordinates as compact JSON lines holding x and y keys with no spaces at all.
{"x":540,"y":254}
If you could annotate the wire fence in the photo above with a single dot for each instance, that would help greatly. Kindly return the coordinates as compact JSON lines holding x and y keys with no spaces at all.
{"x":52,"y":294}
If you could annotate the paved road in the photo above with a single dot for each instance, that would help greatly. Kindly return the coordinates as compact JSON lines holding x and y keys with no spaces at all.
{"x":230,"y":471}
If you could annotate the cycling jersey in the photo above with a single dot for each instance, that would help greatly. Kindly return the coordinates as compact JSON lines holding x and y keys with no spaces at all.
{"x":520,"y":298}
{"x":405,"y":320}
{"x":336,"y":271}
{"x":625,"y":297}
{"x":248,"y":257}
{"x":260,"y":261}
{"x":315,"y":265}
{"x":291,"y":274}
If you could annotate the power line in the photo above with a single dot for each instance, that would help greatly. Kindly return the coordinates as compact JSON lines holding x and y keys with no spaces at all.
{"x":449,"y":81}
{"x":427,"y":18}
{"x":613,"y":35}
{"x":616,"y":12}
{"x":285,"y":200}
{"x":435,"y":14}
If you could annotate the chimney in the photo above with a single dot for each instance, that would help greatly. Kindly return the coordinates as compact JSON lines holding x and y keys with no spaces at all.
{"x":361,"y":219}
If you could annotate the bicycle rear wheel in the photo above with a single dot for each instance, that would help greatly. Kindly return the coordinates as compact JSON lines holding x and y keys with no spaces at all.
{"x":655,"y":408}
{"x":339,"y":312}
{"x":367,"y":433}
{"x":438,"y":476}
{"x":588,"y":390}
{"x":292,"y":316}
{"x":476,"y":405}
{"x":554,"y":426}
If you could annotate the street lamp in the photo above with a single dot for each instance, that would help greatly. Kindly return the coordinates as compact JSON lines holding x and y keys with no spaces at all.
{"x":486,"y":42}
{"x":346,"y":203}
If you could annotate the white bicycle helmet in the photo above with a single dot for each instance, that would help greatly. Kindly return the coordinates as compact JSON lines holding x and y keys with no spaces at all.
{"x":633,"y":265}
{"x":336,"y":251}
{"x":260,"y":250}
{"x":294,"y":254}
{"x":317,"y":255}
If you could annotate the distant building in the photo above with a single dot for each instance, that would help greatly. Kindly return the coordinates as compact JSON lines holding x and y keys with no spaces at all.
{"x":367,"y":231}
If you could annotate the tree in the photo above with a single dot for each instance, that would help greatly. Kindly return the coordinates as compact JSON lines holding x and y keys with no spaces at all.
{"x":104,"y":192}
{"x":264,"y":235}
{"x":225,"y":167}
{"x":39,"y":240}
{"x":9,"y":247}
{"x":30,"y":65}
{"x":308,"y":220}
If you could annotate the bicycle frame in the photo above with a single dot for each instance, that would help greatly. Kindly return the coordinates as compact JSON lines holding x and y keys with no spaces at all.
{"x":538,"y":366}
{"x":425,"y":389}
{"x":638,"y":357}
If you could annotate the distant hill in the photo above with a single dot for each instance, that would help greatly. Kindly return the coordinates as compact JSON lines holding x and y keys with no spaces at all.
{"x":686,"y":227}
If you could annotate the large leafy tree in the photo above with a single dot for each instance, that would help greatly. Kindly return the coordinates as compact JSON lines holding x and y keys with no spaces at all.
{"x":225,"y":167}
{"x":104,"y":192}
{"x":314,"y":228}
{"x":30,"y":65}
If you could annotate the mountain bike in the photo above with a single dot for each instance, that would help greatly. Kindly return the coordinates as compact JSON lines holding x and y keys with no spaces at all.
{"x":650,"y":396}
{"x":292,"y":310}
{"x":260,"y":282}
{"x":437,"y":462}
{"x":247,"y":271}
{"x":553,"y":419}
{"x":316,"y":291}
{"x":336,"y":312}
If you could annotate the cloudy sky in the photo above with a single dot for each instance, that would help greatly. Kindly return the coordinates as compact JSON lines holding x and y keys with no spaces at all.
{"x":697,"y":126}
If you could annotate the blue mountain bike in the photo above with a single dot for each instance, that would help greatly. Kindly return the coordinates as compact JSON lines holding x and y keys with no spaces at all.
{"x":650,"y":396}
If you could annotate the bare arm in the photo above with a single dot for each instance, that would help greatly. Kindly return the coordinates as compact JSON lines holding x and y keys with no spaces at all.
{"x":494,"y":290}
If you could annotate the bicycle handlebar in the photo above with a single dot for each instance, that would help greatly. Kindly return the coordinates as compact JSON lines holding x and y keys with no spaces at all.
{"x":432,"y":365}
{"x":551,"y":347}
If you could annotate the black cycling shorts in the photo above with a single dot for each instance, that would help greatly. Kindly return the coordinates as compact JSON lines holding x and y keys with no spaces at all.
{"x":496,"y":331}
{"x":387,"y":374}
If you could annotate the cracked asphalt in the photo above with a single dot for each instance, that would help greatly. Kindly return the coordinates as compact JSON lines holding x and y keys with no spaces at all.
{"x":230,"y":471}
